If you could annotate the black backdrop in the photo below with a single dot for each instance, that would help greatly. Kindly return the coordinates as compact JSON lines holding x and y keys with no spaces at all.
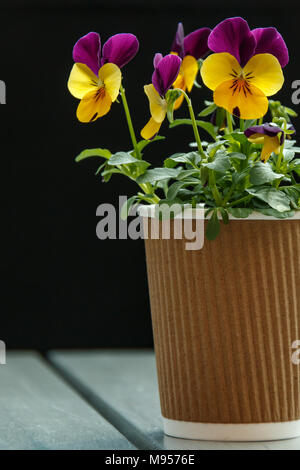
{"x":62,"y":287}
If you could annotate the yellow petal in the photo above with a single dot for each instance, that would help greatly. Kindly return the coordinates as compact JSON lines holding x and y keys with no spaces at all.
{"x":189,"y":69}
{"x":94,"y":105}
{"x":271,"y":144}
{"x":82,"y":80}
{"x":218,"y":68}
{"x":158,"y":105}
{"x":264,"y":72}
{"x":180,"y":81}
{"x":151,"y":129}
{"x":256,"y":138}
{"x":241,"y":103}
{"x":179,"y":101}
{"x":111,"y":76}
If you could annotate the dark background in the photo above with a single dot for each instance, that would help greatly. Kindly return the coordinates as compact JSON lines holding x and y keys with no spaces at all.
{"x":62,"y":287}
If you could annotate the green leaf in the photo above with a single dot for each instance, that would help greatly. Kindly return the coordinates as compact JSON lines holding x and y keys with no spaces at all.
{"x":192,"y":158}
{"x":107,"y":174}
{"x":127,"y":206}
{"x":275,"y":198}
{"x":158,"y":174}
{"x":236,"y":136}
{"x":289,"y":143}
{"x":143,"y":143}
{"x":221,"y":163}
{"x":104,"y":153}
{"x":295,"y":163}
{"x":224,"y":215}
{"x":237,"y":156}
{"x":262,"y":173}
{"x":290,"y":111}
{"x":289,"y":132}
{"x":207,"y":126}
{"x":213,"y":226}
{"x":100,"y":168}
{"x":240,"y":213}
{"x":293,"y":192}
{"x":174,"y":188}
{"x":239,"y":176}
{"x":122,"y":158}
{"x":274,"y":213}
{"x":187,"y":173}
{"x":208,"y":110}
{"x":215,"y":145}
{"x":288,"y":154}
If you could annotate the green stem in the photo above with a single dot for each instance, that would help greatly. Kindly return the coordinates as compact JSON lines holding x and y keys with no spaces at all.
{"x":280,"y":156}
{"x":227,"y":198}
{"x":151,"y":200}
{"x":194,"y":124}
{"x":229,"y":122}
{"x":214,"y":189}
{"x":129,"y":122}
{"x":293,"y":179}
{"x":260,"y":121}
{"x":242,"y":125}
{"x":239,"y":201}
{"x":148,"y":189}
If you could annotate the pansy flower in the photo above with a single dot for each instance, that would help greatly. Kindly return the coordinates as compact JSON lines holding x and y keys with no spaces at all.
{"x":246,"y":67}
{"x":268,"y":134}
{"x":189,"y":48}
{"x":166,"y":70}
{"x":96,"y":78}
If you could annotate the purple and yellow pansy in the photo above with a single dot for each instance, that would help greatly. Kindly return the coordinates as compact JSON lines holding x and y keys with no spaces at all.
{"x":189,"y":48}
{"x":166,"y":70}
{"x":246,"y":67}
{"x":269,"y":135}
{"x":96,"y":78}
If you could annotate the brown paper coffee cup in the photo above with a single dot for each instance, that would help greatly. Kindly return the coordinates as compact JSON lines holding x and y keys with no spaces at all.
{"x":224,"y":321}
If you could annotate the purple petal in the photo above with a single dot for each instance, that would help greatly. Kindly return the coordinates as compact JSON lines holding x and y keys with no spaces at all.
{"x":233,"y":36}
{"x":268,"y":40}
{"x":195,"y":43}
{"x":178,"y":43}
{"x":166,"y":73}
{"x":87,"y":51}
{"x":157,"y":58}
{"x":268,"y":129}
{"x":120,"y":49}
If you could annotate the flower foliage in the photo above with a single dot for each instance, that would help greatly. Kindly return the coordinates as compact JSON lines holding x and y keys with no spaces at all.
{"x":247,"y":160}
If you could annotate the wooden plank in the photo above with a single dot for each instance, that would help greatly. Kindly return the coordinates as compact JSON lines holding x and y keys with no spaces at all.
{"x":38,"y":410}
{"x":122,"y":385}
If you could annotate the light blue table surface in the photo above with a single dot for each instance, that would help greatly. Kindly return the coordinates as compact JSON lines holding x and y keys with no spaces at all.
{"x":106,"y":400}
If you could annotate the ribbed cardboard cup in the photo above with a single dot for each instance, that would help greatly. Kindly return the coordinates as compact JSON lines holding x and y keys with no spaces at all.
{"x":225,"y":319}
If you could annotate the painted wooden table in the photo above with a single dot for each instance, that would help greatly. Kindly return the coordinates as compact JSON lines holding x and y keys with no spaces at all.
{"x":104,"y":400}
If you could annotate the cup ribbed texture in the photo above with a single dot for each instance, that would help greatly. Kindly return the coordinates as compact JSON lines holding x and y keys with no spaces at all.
{"x":224,"y":320}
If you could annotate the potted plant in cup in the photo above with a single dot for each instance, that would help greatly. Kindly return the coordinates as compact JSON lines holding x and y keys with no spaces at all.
{"x":226,"y":316}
